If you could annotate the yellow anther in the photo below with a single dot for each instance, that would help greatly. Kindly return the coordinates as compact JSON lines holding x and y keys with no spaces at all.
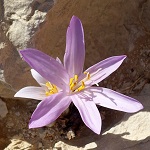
{"x":81,"y":87}
{"x":73,"y":82}
{"x":52,"y":89}
{"x":55,"y":90}
{"x":88,"y":75}
{"x":47,"y":93}
{"x":49,"y":85}
{"x":78,"y":86}
{"x":75,"y":78}
{"x":72,"y":86}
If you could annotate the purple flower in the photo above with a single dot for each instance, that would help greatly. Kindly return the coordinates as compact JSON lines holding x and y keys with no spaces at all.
{"x":62,"y":84}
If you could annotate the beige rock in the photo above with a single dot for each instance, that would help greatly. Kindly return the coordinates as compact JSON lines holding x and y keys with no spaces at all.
{"x":65,"y":146}
{"x":21,"y":8}
{"x":23,"y":26}
{"x":17,"y":144}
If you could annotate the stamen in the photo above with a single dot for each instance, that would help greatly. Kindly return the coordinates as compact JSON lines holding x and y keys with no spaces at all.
{"x":78,"y":86}
{"x":52,"y":89}
{"x":88,"y":75}
{"x":47,"y":93}
{"x":49,"y":85}
{"x":73,"y":82}
{"x":76,"y":78}
{"x":81,"y":87}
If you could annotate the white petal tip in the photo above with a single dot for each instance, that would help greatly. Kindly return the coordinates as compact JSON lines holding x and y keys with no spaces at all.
{"x":98,"y":132}
{"x":32,"y":125}
{"x":138,"y":108}
{"x":16,"y":95}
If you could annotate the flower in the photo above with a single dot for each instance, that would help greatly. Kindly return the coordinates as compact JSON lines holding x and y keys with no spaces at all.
{"x":62,"y":84}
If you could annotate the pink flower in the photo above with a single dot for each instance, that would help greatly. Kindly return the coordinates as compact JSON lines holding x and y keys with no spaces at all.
{"x":62,"y":84}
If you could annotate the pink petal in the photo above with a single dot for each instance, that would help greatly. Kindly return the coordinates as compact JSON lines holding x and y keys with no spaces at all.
{"x":38,"y":77}
{"x":46,"y":66}
{"x":49,"y":110}
{"x":31,"y":92}
{"x":114,"y":100}
{"x":103,"y":69}
{"x":89,"y":112}
{"x":75,"y":48}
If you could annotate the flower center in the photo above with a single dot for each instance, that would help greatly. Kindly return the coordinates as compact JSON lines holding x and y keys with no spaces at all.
{"x":51,"y":89}
{"x":76,"y":86}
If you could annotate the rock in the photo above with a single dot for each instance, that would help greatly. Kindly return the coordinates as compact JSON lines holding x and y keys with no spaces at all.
{"x":3,"y":109}
{"x":17,"y":144}
{"x":19,"y":13}
{"x":20,"y":8}
{"x":65,"y":146}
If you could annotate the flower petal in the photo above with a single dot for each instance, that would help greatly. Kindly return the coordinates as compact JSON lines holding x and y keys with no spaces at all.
{"x":88,"y":111}
{"x":75,"y":48}
{"x":114,"y":100}
{"x":57,"y":59}
{"x":46,"y":66}
{"x":38,"y":77}
{"x":32,"y":92}
{"x":49,"y":110}
{"x":103,"y":69}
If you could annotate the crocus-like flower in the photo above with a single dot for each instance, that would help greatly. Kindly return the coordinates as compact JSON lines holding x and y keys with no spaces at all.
{"x":62,"y":84}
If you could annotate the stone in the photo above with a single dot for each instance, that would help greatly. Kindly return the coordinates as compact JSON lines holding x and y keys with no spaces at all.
{"x":21,"y":8}
{"x":17,"y":144}
{"x":19,"y":13}
{"x":65,"y":146}
{"x":3,"y":109}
